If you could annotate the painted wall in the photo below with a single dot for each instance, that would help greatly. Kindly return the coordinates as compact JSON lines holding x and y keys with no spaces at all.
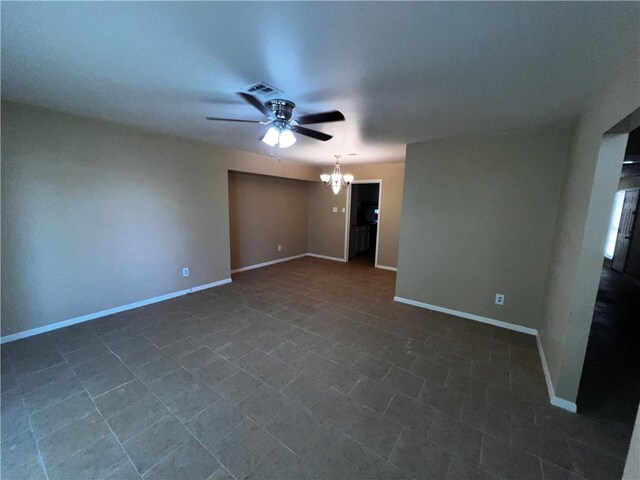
{"x":588,"y":189}
{"x":97,"y":215}
{"x":265,"y":212}
{"x":326,"y":233}
{"x":326,"y":228}
{"x":478,"y":219}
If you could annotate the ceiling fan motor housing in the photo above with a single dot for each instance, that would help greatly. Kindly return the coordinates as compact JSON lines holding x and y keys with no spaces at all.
{"x":282,"y":109}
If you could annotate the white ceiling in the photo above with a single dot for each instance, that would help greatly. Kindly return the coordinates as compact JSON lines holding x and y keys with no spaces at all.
{"x":400,"y":72}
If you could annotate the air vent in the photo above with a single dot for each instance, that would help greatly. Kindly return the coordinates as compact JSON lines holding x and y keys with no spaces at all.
{"x":262,"y":90}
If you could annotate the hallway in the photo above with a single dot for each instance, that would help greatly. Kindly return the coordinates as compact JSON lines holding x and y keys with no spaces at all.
{"x":610,"y":385}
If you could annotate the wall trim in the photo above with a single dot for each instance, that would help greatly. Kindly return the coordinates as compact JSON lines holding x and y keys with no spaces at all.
{"x":265,"y":264}
{"x":469,"y":316}
{"x":110,"y":311}
{"x":385,"y":267}
{"x":556,"y":401}
{"x":335,"y":259}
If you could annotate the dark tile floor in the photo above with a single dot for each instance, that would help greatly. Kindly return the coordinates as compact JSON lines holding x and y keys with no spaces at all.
{"x":305,"y":369}
{"x":610,"y":384}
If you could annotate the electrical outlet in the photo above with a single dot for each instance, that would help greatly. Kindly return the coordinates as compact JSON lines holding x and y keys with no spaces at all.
{"x":499,"y":298}
{"x":185,"y":272}
{"x":279,"y":248}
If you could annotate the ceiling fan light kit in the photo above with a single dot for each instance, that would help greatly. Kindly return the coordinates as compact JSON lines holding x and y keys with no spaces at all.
{"x":279,"y":113}
{"x":336,"y":181}
{"x":280,"y":137}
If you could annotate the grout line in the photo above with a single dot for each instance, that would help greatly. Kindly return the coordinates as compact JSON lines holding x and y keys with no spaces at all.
{"x":44,"y":468}
{"x":74,"y":421}
{"x":104,"y":418}
{"x":464,"y":400}
{"x":169,"y":413}
{"x":389,"y":404}
{"x":395,"y":445}
{"x":221,"y":440}
{"x":449,"y":466}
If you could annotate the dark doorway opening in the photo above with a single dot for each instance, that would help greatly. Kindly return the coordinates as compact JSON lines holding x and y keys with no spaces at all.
{"x":363,"y":223}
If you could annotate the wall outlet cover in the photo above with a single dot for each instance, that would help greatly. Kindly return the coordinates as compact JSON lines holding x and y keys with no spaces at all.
{"x":185,"y":272}
{"x":279,"y":248}
{"x":499,"y":298}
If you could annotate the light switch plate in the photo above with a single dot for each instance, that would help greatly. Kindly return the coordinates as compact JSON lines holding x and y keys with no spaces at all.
{"x":335,"y":209}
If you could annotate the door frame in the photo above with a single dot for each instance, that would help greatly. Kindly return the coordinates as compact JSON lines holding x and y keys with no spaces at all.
{"x":347,"y":218}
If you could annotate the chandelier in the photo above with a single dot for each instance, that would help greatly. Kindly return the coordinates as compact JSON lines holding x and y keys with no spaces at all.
{"x":336,"y":181}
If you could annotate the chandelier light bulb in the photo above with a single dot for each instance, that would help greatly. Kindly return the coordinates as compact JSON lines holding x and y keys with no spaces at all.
{"x":336,"y":181}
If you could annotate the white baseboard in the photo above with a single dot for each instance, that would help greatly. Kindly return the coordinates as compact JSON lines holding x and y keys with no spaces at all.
{"x":469,"y":316}
{"x":384,"y":267}
{"x":556,"y":401}
{"x":265,"y":264}
{"x":110,"y":311}
{"x":206,"y":286}
{"x":335,"y":259}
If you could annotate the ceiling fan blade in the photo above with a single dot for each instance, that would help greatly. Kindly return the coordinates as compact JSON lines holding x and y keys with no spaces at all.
{"x":312,"y":133}
{"x":232,"y":120}
{"x":324,"y":117}
{"x":251,"y":100}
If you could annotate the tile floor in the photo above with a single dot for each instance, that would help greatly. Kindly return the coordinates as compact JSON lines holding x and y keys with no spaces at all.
{"x":302,"y":370}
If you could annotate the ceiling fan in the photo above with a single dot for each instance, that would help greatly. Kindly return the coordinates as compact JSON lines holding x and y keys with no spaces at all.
{"x":279,"y":115}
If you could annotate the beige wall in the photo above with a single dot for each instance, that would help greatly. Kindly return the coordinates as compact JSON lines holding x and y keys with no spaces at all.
{"x":327,"y":229}
{"x":265,"y":212}
{"x":96,"y":215}
{"x":590,"y":182}
{"x":478,"y":219}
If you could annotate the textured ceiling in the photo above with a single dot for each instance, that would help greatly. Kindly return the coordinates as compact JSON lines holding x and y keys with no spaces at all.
{"x":400,"y":72}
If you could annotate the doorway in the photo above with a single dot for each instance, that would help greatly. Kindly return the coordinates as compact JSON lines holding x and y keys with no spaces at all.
{"x":610,"y":383}
{"x":624,"y":236}
{"x":362,"y":231}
